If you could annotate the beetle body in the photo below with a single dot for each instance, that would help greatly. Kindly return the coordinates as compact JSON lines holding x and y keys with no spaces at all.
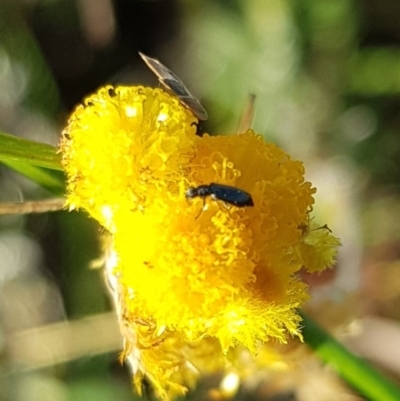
{"x":226,"y":193}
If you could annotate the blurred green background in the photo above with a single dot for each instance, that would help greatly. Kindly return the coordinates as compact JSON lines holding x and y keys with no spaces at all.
{"x":326,"y":75}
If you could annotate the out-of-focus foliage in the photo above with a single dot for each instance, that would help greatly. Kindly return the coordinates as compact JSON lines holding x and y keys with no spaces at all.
{"x":326,"y":77}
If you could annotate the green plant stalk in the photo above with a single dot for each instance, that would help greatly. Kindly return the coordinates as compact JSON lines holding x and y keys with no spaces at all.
{"x":52,"y":180}
{"x":359,"y":374}
{"x":30,"y":152}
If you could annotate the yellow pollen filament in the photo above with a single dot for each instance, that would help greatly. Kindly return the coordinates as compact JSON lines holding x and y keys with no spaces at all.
{"x":131,"y":111}
{"x":162,"y":117}
{"x":107,"y":213}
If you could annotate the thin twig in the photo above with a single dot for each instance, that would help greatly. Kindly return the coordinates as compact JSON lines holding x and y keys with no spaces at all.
{"x":41,"y":206}
{"x":62,"y":342}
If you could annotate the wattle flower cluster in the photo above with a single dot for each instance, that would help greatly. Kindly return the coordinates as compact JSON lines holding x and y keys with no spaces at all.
{"x":194,"y":280}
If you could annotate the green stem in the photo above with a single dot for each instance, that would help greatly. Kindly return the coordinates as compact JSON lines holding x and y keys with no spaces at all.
{"x":16,"y":149}
{"x":49,"y":179}
{"x":359,"y":374}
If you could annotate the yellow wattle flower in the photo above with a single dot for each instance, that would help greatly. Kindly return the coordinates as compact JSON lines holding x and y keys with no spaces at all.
{"x":122,"y":138}
{"x":193,"y":279}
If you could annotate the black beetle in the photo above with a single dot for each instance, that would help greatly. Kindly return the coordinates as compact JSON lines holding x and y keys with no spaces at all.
{"x":225,"y":193}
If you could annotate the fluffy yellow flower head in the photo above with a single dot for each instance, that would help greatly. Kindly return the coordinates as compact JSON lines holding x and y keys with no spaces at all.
{"x":195,"y":279}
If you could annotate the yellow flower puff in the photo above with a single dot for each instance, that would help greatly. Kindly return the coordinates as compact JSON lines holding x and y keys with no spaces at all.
{"x":318,"y":247}
{"x":194,"y":279}
{"x":123,"y":138}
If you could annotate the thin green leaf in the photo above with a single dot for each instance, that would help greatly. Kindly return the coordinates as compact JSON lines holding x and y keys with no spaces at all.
{"x":14,"y":149}
{"x":353,"y":369}
{"x":51,"y":180}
